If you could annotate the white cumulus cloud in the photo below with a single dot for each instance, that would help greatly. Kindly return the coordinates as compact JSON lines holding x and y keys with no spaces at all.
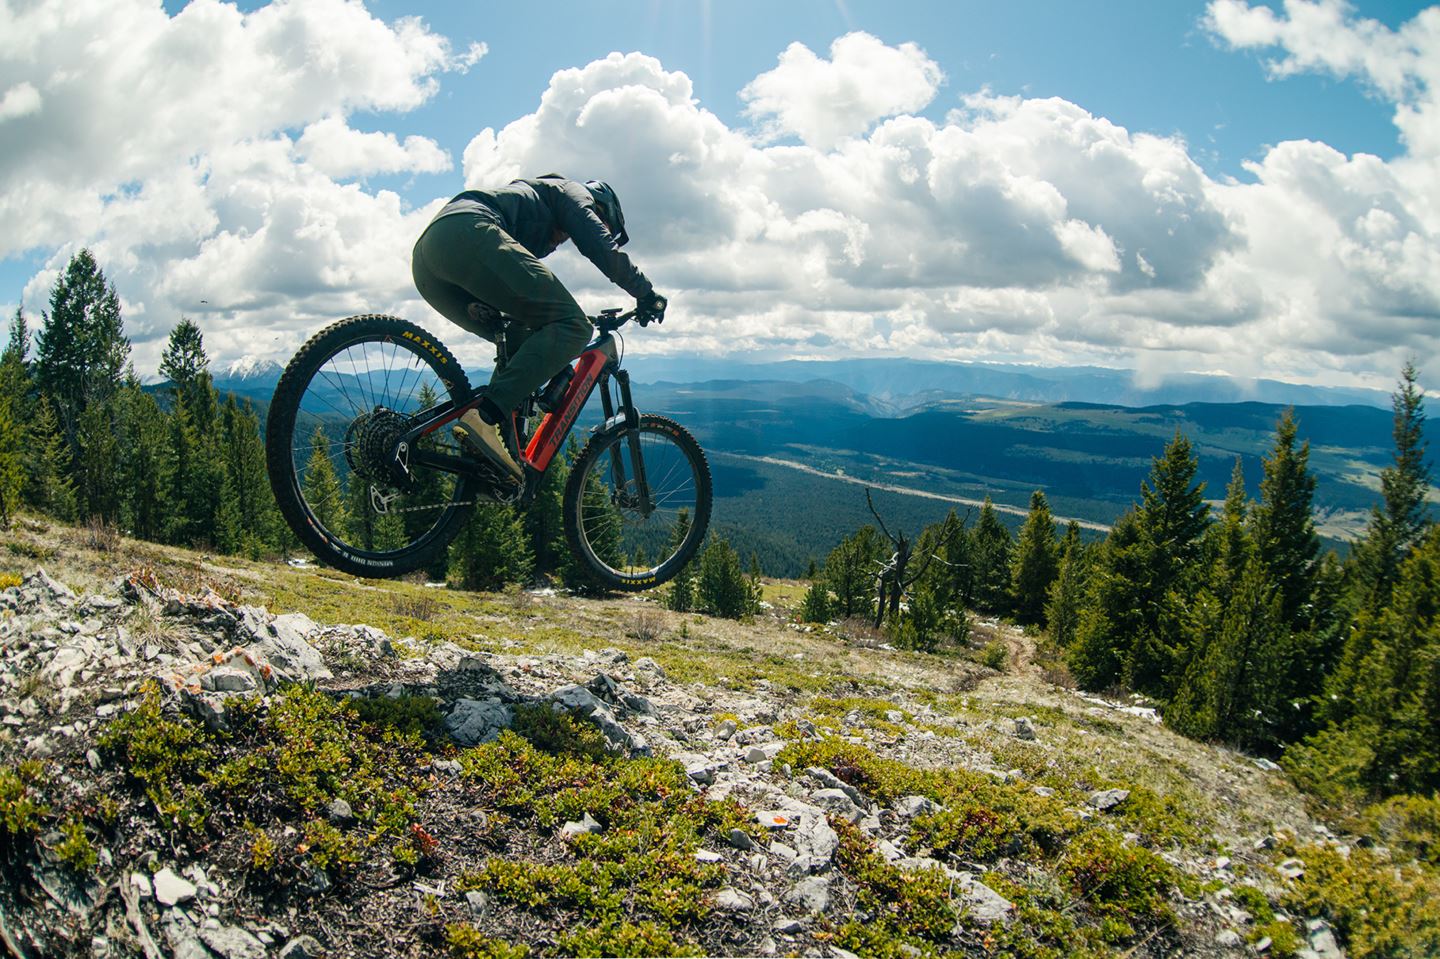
{"x":335,"y":149}
{"x":822,"y":101}
{"x":212,"y":161}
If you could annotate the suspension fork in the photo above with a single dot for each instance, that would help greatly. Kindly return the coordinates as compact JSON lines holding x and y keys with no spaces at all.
{"x":641,"y":494}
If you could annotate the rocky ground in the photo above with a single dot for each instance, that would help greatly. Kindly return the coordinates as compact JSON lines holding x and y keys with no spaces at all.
{"x":193,"y":766}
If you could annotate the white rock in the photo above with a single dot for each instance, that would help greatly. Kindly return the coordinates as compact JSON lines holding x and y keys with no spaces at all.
{"x":171,"y":890}
{"x":475,"y":721}
{"x":733,"y":900}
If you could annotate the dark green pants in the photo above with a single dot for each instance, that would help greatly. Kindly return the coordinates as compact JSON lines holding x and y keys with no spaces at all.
{"x":465,"y":258}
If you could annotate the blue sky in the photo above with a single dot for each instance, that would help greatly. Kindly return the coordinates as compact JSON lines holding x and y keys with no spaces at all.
{"x":1146,"y":66}
{"x":1163,"y":187}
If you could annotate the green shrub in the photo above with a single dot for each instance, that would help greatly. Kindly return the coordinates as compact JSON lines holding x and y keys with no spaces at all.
{"x":1124,"y":883}
{"x":1378,"y":909}
{"x":21,"y":811}
{"x":406,"y":715}
{"x":1408,"y":823}
{"x":76,"y":850}
{"x":467,"y":942}
{"x":167,"y":756}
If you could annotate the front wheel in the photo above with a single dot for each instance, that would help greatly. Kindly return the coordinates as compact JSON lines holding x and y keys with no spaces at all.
{"x":637,"y":503}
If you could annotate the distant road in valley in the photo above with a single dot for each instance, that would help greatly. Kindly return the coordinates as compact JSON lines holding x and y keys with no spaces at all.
{"x":904,"y":490}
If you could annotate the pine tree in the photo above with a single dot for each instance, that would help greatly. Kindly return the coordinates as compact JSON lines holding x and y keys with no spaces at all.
{"x":492,"y":551}
{"x":144,"y":461}
{"x":321,"y":486}
{"x":244,"y":468}
{"x":98,"y":467}
{"x":604,"y":529}
{"x":187,"y":481}
{"x":815,"y":606}
{"x":850,"y":571}
{"x":81,"y":354}
{"x":990,"y":548}
{"x":431,"y":487}
{"x":1391,"y":732}
{"x":1067,"y":592}
{"x":49,"y":487}
{"x":14,"y":416}
{"x":1284,"y":524}
{"x":187,"y":367}
{"x":12,"y":451}
{"x":1397,"y":523}
{"x":545,"y":519}
{"x":680,"y":597}
{"x":1114,"y":610}
{"x":948,"y":578}
{"x":1233,"y":545}
{"x":1173,"y":518}
{"x":1035,"y":563}
{"x":722,"y":588}
{"x":16,"y":380}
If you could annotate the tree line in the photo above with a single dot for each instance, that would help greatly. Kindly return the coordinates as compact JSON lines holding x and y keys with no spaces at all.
{"x":1233,"y":620}
{"x":81,"y":440}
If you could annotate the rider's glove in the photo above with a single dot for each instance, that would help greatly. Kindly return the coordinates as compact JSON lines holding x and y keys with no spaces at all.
{"x":650,"y":308}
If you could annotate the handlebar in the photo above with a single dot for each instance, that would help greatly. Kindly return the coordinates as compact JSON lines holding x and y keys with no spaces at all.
{"x":608,"y":321}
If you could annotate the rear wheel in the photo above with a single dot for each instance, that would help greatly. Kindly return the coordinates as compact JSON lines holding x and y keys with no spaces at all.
{"x":338,"y":411}
{"x":625,"y":539}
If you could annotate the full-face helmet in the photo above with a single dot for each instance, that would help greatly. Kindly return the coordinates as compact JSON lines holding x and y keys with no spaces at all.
{"x":608,"y":206}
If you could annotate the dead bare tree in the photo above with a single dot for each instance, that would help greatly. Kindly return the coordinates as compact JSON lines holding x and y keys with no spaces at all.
{"x":894,"y":576}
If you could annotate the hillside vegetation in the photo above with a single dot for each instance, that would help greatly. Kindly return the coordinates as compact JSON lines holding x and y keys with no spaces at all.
{"x":481,"y":774}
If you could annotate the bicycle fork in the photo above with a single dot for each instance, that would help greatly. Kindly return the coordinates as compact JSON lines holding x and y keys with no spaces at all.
{"x":639,"y":499}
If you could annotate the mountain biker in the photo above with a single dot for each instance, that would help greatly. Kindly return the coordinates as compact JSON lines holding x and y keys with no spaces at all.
{"x":480,"y":257}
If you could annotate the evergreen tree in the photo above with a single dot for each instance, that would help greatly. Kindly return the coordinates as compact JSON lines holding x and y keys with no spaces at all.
{"x":492,"y":551}
{"x":1233,"y":545}
{"x":850,"y":571}
{"x":1236,"y":689}
{"x":722,"y":588}
{"x":14,"y":416}
{"x":81,"y":354}
{"x":1035,"y":563}
{"x":948,"y":577}
{"x":12,"y":452}
{"x":545,"y":519}
{"x":1067,"y":592}
{"x":680,"y":597}
{"x":1284,"y":525}
{"x":48,"y":487}
{"x":321,"y":485}
{"x":98,"y":468}
{"x":188,"y":492}
{"x":990,"y":548}
{"x":431,"y":487}
{"x":815,"y":606}
{"x":244,"y":469}
{"x":1392,"y":733}
{"x":16,"y":381}
{"x":1114,"y":610}
{"x":1397,"y":523}
{"x":187,"y":367}
{"x":1173,"y":518}
{"x":144,"y":462}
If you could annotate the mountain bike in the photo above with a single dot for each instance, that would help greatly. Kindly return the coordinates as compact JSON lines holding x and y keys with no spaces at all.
{"x":371,"y":479}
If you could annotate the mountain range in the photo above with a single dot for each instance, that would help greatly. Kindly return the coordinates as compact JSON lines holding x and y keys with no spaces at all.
{"x":794,"y":445}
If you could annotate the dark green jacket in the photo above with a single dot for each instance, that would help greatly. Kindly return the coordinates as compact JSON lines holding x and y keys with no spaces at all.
{"x":532,"y":210}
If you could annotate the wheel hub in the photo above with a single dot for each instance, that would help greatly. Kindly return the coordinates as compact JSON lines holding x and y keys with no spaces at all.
{"x":370,"y":443}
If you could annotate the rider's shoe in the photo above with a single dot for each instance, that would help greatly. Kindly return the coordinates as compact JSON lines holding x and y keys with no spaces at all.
{"x":484,"y":440}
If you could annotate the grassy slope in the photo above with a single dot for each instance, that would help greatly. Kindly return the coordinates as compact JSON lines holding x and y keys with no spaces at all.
{"x":1190,"y":803}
